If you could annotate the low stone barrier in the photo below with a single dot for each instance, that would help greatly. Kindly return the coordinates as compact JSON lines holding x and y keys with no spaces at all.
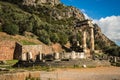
{"x":20,"y":75}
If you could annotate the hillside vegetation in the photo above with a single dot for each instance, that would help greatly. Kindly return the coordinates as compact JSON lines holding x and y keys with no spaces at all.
{"x":51,"y":24}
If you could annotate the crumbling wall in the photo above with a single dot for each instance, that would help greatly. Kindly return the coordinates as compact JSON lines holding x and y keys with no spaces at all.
{"x":34,"y":49}
{"x":10,"y":50}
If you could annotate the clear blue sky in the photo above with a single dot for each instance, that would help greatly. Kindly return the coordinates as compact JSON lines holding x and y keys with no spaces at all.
{"x":96,"y":8}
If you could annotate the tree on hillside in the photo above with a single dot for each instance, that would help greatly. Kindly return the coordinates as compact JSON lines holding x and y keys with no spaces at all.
{"x":54,"y":37}
{"x":63,"y":38}
{"x":43,"y":36}
{"x":114,"y":51}
{"x":10,"y":28}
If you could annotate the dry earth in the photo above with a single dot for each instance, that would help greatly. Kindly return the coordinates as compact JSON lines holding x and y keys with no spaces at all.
{"x":99,"y":73}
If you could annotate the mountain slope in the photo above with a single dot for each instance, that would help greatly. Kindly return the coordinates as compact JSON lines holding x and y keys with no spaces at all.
{"x":52,"y":22}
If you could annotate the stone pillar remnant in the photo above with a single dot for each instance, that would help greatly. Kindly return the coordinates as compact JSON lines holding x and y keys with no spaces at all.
{"x":56,"y":56}
{"x":84,"y":40}
{"x":73,"y":55}
{"x":40,"y":56}
{"x":23,"y":57}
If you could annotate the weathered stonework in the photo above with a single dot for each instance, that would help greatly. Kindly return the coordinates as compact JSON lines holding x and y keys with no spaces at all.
{"x":20,"y":75}
{"x":24,"y":49}
{"x":68,"y":12}
{"x":7,"y":50}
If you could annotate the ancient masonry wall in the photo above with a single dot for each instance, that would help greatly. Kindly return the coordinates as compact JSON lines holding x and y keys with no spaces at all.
{"x":34,"y":49}
{"x":10,"y":50}
{"x":20,"y":75}
{"x":7,"y":50}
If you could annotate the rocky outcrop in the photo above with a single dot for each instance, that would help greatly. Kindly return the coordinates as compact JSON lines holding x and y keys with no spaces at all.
{"x":40,"y":2}
{"x":57,"y":10}
{"x":68,"y":12}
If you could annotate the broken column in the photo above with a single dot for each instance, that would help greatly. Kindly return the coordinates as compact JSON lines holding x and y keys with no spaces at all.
{"x":40,"y":56}
{"x":23,"y":57}
{"x":56,"y":56}
{"x":73,"y":55}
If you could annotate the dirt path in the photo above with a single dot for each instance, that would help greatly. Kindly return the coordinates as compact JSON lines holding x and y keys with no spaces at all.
{"x":99,"y":73}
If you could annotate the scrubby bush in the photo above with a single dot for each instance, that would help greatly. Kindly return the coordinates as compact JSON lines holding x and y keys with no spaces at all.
{"x":11,"y":28}
{"x":54,"y":37}
{"x":63,"y":38}
{"x":43,"y":36}
{"x":114,"y":50}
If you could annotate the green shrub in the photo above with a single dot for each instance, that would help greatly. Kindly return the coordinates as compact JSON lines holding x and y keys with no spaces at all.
{"x":43,"y":36}
{"x":118,"y":64}
{"x":54,"y":37}
{"x":11,"y":28}
{"x":63,"y":38}
{"x":114,"y":51}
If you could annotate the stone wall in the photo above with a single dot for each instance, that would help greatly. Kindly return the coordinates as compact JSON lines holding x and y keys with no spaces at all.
{"x":7,"y":50}
{"x":34,"y":49}
{"x":10,"y":50}
{"x":20,"y":75}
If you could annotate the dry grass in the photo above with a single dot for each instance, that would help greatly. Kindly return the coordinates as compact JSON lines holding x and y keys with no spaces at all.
{"x":18,"y":38}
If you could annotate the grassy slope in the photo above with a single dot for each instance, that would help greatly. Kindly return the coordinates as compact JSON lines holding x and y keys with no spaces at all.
{"x":19,"y":38}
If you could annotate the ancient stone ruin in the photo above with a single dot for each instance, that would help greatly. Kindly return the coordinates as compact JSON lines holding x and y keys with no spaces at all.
{"x":35,"y":55}
{"x":33,"y":52}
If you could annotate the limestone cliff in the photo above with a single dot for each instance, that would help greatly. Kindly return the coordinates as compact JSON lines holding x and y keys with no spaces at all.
{"x":40,"y":2}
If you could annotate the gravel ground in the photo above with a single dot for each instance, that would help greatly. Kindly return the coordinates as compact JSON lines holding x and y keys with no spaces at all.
{"x":99,"y":73}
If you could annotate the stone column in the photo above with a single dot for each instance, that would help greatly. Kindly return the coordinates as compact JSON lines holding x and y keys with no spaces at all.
{"x":92,"y":39}
{"x":84,"y":40}
{"x":91,"y":35}
{"x":23,"y":57}
{"x":40,"y":56}
{"x":30,"y":54}
{"x":56,"y":56}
